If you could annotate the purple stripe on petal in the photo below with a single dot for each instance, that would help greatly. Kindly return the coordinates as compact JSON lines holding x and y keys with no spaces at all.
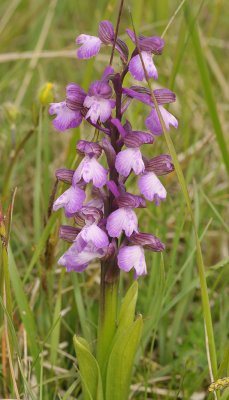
{"x":132,"y":257}
{"x":160,"y":165}
{"x":68,"y":233}
{"x":137,"y":138}
{"x":123,"y":219}
{"x":151,"y":187}
{"x":65,"y":175}
{"x":129,"y":200}
{"x":90,"y":46}
{"x":147,"y":241}
{"x":123,"y":50}
{"x":164,"y":96}
{"x":153,"y":44}
{"x":143,"y":97}
{"x":129,"y":159}
{"x":106,"y":32}
{"x":75,"y":96}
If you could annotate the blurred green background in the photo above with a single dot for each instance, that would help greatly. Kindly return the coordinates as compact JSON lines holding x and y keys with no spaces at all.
{"x":37,"y":45}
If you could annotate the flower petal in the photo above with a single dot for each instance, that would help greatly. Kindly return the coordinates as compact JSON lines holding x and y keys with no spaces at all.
{"x":77,"y":261}
{"x":147,"y":241}
{"x":72,"y":200}
{"x":123,"y":219}
{"x":154,"y":44}
{"x":106,"y":32}
{"x":90,"y":148}
{"x":160,"y":165}
{"x":99,"y":108}
{"x":136,"y":69}
{"x":151,"y":187}
{"x":132,"y":257}
{"x":129,"y":159}
{"x":90,"y":46}
{"x":75,"y":96}
{"x":153,"y":123}
{"x":96,"y":235}
{"x":65,"y":118}
{"x":91,"y":170}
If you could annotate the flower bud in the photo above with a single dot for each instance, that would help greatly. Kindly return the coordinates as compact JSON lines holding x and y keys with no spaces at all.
{"x":45,"y":94}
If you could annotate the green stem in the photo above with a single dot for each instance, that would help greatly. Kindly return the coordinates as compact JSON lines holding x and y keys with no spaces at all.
{"x":37,"y":185}
{"x":107,"y":313}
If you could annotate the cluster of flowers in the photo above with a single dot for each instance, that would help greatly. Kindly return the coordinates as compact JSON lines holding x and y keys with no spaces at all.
{"x":106,"y":225}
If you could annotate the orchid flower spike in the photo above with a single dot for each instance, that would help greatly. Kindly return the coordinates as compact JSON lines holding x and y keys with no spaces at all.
{"x":104,"y":213}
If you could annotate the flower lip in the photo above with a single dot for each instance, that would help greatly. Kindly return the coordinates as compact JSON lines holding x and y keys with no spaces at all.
{"x":90,"y":46}
{"x":147,"y":240}
{"x":160,"y":165}
{"x":65,"y":117}
{"x":90,"y":148}
{"x":122,"y":219}
{"x":68,"y":233}
{"x":129,"y":200}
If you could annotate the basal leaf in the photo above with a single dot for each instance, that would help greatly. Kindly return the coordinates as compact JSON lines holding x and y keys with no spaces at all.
{"x":89,"y":370}
{"x":121,"y":360}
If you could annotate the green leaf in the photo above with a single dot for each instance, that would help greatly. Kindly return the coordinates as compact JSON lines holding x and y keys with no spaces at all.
{"x":121,"y":360}
{"x":206,"y":82}
{"x":25,"y":312}
{"x":127,"y":311}
{"x":89,"y":370}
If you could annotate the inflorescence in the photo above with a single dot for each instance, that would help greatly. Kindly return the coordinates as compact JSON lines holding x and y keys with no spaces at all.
{"x":105,"y":223}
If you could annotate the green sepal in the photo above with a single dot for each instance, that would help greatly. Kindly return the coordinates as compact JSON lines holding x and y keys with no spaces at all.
{"x":121,"y":360}
{"x":89,"y":370}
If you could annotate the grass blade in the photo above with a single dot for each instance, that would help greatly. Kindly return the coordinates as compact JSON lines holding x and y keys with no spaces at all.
{"x":206,"y":82}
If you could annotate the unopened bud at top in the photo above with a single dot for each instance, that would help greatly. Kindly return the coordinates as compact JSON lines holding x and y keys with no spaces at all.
{"x":45,"y":94}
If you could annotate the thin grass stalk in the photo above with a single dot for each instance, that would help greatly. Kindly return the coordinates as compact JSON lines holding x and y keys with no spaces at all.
{"x":210,"y":341}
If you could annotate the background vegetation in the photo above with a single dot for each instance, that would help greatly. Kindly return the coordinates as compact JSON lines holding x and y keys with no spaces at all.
{"x":48,"y":305}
